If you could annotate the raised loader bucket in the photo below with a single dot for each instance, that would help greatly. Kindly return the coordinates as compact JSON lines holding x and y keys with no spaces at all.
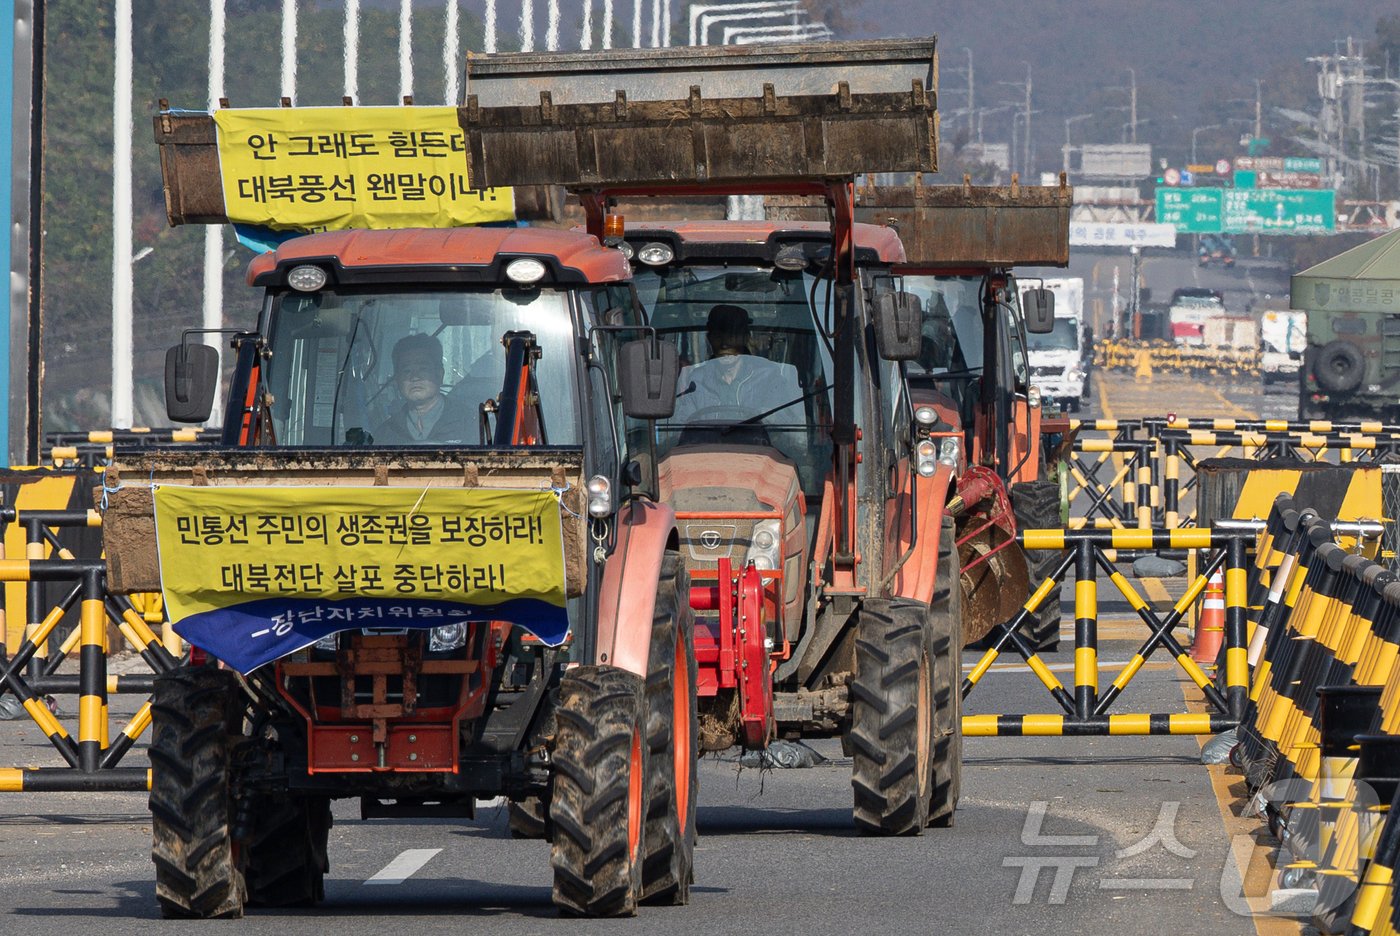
{"x":702,"y":116}
{"x":959,"y":225}
{"x":194,"y":191}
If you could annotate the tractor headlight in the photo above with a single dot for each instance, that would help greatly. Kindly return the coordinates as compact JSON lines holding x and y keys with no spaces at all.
{"x":306,"y":278}
{"x":656,"y":254}
{"x":600,"y":502}
{"x":950,"y":452}
{"x":926,"y":416}
{"x":329,"y":642}
{"x":764,"y":545}
{"x":926,"y":458}
{"x":525,"y":271}
{"x":447,"y":637}
{"x":1033,"y":396}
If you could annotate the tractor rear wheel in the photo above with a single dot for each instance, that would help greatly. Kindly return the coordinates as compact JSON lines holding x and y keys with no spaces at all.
{"x":1036,"y":505}
{"x":598,"y":807}
{"x":287,"y":852}
{"x":892,"y":727}
{"x":197,"y":872}
{"x":945,"y":636}
{"x":673,"y":735}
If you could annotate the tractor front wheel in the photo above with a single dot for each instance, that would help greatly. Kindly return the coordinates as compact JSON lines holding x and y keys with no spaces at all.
{"x":945,"y":636}
{"x":197,"y":871}
{"x":287,"y":851}
{"x":892,"y":728}
{"x":598,"y":808}
{"x":673,"y":735}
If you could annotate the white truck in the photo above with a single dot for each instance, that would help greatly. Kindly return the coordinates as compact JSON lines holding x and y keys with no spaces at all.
{"x":1060,"y":359}
{"x":1283,"y":336}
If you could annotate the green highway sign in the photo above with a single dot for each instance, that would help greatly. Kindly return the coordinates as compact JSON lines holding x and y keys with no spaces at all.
{"x":1278,"y":211}
{"x":1247,"y":211}
{"x":1192,"y":210}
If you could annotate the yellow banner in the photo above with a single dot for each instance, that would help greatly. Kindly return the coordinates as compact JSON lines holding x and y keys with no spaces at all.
{"x":251,"y":574}
{"x":330,"y":168}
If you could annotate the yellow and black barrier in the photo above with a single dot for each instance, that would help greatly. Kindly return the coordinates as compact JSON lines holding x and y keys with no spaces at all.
{"x":1086,"y":710}
{"x":94,"y":756}
{"x":92,"y":450}
{"x":1147,"y":357}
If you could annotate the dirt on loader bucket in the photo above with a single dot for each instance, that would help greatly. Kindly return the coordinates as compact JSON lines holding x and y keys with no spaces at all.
{"x":702,"y":116}
{"x":128,"y":526}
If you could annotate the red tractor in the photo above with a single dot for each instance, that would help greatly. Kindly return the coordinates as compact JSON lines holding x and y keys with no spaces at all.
{"x":405,"y":381}
{"x":808,"y":495}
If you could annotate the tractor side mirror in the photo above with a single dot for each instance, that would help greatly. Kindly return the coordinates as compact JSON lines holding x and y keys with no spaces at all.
{"x":191,"y":373}
{"x":898,"y":317}
{"x":1038,"y":305}
{"x":647,"y":370}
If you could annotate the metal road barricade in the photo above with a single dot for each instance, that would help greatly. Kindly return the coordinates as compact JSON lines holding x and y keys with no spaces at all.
{"x":1086,"y":710}
{"x":1196,"y":360}
{"x":92,"y":450}
{"x":94,"y":757}
{"x":1154,"y":461}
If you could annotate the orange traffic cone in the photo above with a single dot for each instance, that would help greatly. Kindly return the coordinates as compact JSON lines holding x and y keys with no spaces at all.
{"x":1210,"y":627}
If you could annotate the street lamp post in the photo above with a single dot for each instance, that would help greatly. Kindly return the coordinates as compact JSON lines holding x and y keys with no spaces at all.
{"x":1193,"y":138}
{"x":1394,"y":83}
{"x":1068,"y":121}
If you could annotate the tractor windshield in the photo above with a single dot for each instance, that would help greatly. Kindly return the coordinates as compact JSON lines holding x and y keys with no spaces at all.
{"x":755,"y":364}
{"x":386,"y":366}
{"x":952,"y":325}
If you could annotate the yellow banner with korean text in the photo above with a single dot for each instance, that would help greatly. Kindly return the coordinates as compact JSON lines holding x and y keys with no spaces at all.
{"x":330,"y":168}
{"x":251,"y":574}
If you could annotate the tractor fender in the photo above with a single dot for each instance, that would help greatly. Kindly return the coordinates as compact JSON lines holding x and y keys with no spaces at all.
{"x":918,"y":576}
{"x":627,"y":594}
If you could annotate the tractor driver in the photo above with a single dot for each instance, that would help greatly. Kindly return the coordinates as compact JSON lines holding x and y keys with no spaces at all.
{"x":424,"y":416}
{"x":734,"y":385}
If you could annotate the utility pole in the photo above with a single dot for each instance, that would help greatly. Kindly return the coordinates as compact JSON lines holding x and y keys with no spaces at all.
{"x":1258,"y":110}
{"x":971,"y":106}
{"x":1026,"y":160}
{"x":1132,"y":102}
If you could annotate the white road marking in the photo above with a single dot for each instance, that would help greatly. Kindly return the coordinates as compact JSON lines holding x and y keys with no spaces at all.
{"x":404,"y":867}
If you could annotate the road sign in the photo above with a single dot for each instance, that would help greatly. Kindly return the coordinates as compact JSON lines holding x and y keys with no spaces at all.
{"x":1192,"y":211}
{"x":1171,"y":177}
{"x":1280,"y":163}
{"x":1188,"y":178}
{"x":1222,"y":167}
{"x":1247,"y":211}
{"x":1278,"y":211}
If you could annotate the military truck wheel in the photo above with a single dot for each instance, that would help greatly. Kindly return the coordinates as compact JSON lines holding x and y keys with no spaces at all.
{"x":197,"y":872}
{"x":673,"y":735}
{"x":287,"y":856}
{"x":1339,"y":366}
{"x":529,"y":818}
{"x":598,"y":807}
{"x":945,"y":640}
{"x":892,"y":727}
{"x":1036,"y":505}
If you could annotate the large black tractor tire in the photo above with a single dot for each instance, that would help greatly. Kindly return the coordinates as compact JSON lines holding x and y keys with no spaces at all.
{"x":287,"y":851}
{"x":1036,"y":505}
{"x":193,"y":709}
{"x":673,"y":736}
{"x":892,"y":729}
{"x":529,"y":818}
{"x":945,"y":640}
{"x":1339,"y":366}
{"x":598,"y":806}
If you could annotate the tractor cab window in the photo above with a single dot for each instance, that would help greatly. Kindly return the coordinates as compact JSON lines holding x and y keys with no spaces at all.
{"x":413,"y":367}
{"x":953,"y":337}
{"x":755,"y":362}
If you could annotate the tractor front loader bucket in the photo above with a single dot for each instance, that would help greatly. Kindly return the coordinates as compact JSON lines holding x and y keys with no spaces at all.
{"x":693,"y":117}
{"x":955,"y":226}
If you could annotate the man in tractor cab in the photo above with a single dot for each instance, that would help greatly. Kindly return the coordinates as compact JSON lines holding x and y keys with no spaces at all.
{"x":735,"y":385}
{"x":425,"y":416}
